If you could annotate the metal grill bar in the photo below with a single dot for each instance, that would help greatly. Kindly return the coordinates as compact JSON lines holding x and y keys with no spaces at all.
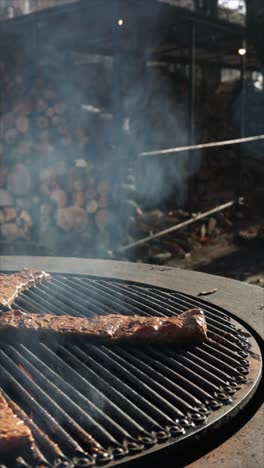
{"x":18,"y":392}
{"x":129,"y":399}
{"x":108,"y":405}
{"x":50,"y":403}
{"x":53,"y":384}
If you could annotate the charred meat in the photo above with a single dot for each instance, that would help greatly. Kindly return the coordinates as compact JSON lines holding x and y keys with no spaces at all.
{"x":14,"y":434}
{"x":12,"y":285}
{"x":188,"y":327}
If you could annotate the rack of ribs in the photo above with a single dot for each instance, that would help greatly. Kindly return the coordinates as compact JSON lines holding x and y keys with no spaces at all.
{"x":12,"y":285}
{"x":188,"y":327}
{"x":14,"y":434}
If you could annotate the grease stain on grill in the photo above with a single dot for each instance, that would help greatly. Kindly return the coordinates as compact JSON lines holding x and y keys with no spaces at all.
{"x":130,"y":399}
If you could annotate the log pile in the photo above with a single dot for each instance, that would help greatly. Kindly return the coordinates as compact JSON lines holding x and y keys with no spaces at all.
{"x":56,"y":184}
{"x":35,"y":119}
{"x":54,"y":175}
{"x":53,"y":156}
{"x":80,"y":208}
{"x":15,"y":222}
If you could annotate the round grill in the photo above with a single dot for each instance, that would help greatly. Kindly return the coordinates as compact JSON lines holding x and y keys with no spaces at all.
{"x":131,"y":399}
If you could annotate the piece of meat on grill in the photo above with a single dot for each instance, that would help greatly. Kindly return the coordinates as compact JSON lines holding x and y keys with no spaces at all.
{"x":12,"y":285}
{"x":14,"y":434}
{"x":188,"y":327}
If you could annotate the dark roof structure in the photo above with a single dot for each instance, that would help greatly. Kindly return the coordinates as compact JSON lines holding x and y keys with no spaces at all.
{"x":161,"y":28}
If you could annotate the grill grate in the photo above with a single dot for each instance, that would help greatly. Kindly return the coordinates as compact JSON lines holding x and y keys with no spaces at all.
{"x":130,"y":399}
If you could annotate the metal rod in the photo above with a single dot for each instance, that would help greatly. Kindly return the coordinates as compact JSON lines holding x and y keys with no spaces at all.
{"x":117,"y":70}
{"x":178,"y":149}
{"x":242,"y":114}
{"x":192,"y":78}
{"x":243,"y":91}
{"x":191,"y":116}
{"x":176,"y":227}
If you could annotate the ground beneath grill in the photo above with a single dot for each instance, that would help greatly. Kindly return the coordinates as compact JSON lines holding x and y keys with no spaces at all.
{"x":243,"y":263}
{"x":230,"y":243}
{"x":247,"y":264}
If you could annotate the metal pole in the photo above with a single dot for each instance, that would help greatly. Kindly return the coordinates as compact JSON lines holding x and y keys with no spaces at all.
{"x":243,"y":91}
{"x":117,"y":72}
{"x":192,"y":78}
{"x":213,"y":144}
{"x":191,"y":111}
{"x":186,"y":223}
{"x":36,"y":233}
{"x":243,"y":53}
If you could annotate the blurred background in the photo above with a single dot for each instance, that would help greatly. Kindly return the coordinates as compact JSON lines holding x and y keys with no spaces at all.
{"x":101,"y":105}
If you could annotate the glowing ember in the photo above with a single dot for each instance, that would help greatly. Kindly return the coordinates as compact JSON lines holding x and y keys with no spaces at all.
{"x":25,"y":371}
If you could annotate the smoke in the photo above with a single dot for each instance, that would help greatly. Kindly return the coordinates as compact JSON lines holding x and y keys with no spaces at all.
{"x":94,"y":137}
{"x":157,"y":109}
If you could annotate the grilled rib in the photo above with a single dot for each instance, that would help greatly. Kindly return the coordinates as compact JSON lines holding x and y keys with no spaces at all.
{"x":14,"y":434}
{"x":188,"y":327}
{"x":12,"y":285}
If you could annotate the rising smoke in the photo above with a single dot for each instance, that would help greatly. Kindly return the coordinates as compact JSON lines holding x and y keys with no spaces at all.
{"x":95,"y":142}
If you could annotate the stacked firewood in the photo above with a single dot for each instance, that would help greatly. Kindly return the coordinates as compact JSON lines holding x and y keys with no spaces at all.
{"x":77,"y":203}
{"x":52,"y":174}
{"x":33,"y":125}
{"x":35,"y":119}
{"x":15,"y":221}
{"x":16,"y":209}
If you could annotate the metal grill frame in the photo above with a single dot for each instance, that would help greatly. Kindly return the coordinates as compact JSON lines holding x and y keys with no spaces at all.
{"x":244,"y":392}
